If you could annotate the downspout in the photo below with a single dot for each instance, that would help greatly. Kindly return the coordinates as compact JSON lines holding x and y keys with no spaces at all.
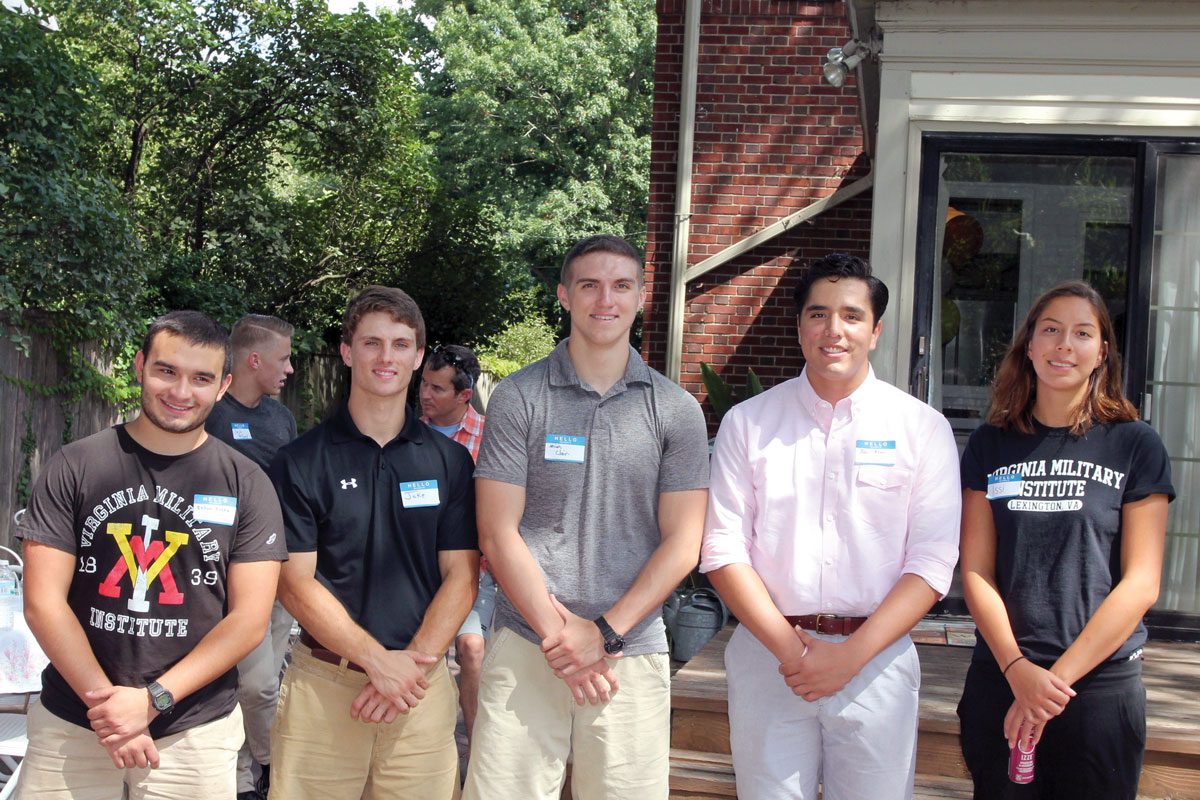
{"x":681,"y":275}
{"x":683,"y":189}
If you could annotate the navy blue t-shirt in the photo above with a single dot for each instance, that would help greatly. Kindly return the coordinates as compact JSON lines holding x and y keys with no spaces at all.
{"x":1056,"y":501}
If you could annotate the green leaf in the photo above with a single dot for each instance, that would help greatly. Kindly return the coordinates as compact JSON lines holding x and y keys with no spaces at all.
{"x":753,"y":384}
{"x":720,"y":395}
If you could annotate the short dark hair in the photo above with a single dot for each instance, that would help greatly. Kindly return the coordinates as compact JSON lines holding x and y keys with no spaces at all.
{"x":395,"y":302}
{"x":601,"y":243}
{"x":194,"y":328}
{"x":252,"y":330}
{"x":836,"y":266}
{"x":462,"y":359}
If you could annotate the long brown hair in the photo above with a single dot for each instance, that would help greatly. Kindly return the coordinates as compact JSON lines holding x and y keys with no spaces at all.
{"x":1015,"y":388}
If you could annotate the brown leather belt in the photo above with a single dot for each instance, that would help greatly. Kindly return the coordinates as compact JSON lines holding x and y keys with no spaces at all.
{"x":324,"y":654}
{"x":828,"y":623}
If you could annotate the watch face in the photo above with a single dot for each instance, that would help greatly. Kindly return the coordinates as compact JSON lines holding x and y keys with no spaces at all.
{"x":614,"y":646}
{"x":163,"y":700}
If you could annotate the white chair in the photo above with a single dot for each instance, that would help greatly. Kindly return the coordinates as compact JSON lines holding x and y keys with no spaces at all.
{"x":13,"y":742}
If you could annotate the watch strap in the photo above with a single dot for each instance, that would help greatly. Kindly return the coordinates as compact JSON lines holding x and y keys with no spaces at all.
{"x":606,"y":630}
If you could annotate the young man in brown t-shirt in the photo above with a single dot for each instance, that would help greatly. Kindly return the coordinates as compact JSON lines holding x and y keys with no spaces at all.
{"x":151,"y":558}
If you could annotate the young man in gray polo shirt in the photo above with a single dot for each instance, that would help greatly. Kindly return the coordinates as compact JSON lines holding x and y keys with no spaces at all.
{"x":592,"y":484}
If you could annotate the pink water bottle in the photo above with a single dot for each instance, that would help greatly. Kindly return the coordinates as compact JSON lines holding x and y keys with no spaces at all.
{"x":1020,"y":761}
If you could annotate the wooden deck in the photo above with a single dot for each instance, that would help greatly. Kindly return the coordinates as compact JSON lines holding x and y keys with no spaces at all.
{"x":700,"y":726}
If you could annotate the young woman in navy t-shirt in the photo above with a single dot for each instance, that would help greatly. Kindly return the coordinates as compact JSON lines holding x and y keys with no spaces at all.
{"x":1065,"y":500}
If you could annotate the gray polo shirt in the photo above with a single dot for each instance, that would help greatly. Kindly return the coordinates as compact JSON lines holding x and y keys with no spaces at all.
{"x":593,"y":468}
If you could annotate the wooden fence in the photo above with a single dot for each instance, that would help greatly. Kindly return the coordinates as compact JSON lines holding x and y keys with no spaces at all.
{"x":34,"y":423}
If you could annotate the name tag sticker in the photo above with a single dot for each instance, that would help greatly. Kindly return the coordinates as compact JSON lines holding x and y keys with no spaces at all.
{"x":215,"y":509}
{"x":241,"y":430}
{"x":879,"y":452}
{"x":560,"y":447}
{"x":1008,"y":484}
{"x":419,"y":494}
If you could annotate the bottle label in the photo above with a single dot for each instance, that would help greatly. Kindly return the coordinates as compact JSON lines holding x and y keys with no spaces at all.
{"x":1020,"y":761}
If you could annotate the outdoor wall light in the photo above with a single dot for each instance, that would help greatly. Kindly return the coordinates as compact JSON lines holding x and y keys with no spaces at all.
{"x":841,"y":60}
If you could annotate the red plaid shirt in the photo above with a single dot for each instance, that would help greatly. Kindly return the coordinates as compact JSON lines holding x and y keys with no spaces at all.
{"x":471,"y":432}
{"x":469,"y":436}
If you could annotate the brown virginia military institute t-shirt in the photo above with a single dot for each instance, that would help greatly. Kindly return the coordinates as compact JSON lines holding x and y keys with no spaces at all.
{"x":153,"y":538}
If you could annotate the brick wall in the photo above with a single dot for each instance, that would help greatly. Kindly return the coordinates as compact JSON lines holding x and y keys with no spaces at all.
{"x":771,"y":137}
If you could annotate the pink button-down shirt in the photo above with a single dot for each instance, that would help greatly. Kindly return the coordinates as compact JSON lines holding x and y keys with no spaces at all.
{"x":832,"y":504}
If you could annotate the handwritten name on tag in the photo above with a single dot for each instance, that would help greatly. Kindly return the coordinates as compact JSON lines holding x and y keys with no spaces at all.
{"x":215,"y":509}
{"x":560,"y":447}
{"x":879,"y":452}
{"x":1008,"y":484}
{"x":419,"y":494}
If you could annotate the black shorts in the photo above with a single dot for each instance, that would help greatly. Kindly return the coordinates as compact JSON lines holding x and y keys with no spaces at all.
{"x":1092,"y":751}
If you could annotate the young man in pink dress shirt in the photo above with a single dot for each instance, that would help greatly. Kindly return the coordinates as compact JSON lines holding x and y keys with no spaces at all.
{"x":832,"y":528}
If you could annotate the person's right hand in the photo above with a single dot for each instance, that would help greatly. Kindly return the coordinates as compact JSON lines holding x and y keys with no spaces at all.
{"x":1039,"y":696}
{"x":137,"y":751}
{"x":371,"y":706}
{"x":595,"y":684}
{"x":399,"y":675}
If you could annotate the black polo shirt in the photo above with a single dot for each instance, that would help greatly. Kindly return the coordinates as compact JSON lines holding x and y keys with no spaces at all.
{"x":377,"y":517}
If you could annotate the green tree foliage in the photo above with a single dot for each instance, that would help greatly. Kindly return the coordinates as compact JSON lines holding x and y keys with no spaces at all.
{"x":541,"y":109}
{"x":66,"y":238}
{"x":269,"y":148}
{"x":265,"y":155}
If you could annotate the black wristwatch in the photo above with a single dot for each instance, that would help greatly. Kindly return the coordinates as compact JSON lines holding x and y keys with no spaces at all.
{"x":613,"y":641}
{"x":163,"y":700}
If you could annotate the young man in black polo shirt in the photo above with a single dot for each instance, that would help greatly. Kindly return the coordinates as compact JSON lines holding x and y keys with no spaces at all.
{"x":380,"y":519}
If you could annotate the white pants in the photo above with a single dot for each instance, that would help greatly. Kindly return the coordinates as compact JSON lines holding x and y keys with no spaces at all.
{"x":860,"y":743}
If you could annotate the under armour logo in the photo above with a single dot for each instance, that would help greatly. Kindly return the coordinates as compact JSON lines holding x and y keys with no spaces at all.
{"x":350,"y":484}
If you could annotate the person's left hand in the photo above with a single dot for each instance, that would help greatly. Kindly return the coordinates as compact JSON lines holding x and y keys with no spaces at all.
{"x":577,"y":644}
{"x":120,"y":712}
{"x":824,"y":668}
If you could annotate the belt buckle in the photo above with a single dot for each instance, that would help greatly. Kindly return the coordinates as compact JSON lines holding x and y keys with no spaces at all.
{"x":817,"y":626}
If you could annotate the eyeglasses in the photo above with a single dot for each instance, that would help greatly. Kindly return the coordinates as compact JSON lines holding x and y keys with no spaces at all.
{"x":453,"y":359}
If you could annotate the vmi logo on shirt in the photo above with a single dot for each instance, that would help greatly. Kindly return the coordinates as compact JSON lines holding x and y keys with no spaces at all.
{"x":144,"y":561}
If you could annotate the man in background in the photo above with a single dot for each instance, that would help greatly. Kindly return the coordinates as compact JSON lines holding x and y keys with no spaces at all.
{"x":447,"y":386}
{"x":251,"y":420}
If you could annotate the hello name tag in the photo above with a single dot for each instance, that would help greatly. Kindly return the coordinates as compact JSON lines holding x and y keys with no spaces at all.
{"x":877,"y":452}
{"x":560,"y":447}
{"x":419,"y":494}
{"x":1007,"y":485}
{"x":214,"y":509}
{"x":241,"y":430}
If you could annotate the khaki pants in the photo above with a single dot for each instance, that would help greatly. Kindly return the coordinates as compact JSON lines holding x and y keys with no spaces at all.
{"x":528,"y":724}
{"x":67,"y":762}
{"x":319,"y":752}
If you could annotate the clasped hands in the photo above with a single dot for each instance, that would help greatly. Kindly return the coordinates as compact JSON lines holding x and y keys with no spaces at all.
{"x":576,"y":654}
{"x":397,"y":684}
{"x":817,"y":668}
{"x":120,"y":716}
{"x":1039,"y":696}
